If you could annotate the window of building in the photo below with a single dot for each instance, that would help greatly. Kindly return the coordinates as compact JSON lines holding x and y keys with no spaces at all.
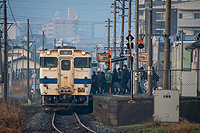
{"x":14,"y":54}
{"x":160,"y":31}
{"x":180,"y":15}
{"x":197,"y":15}
{"x":160,"y":16}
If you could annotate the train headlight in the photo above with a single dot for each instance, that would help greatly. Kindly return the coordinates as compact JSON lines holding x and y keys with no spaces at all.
{"x":81,"y":89}
{"x":48,"y":52}
{"x":83,"y":53}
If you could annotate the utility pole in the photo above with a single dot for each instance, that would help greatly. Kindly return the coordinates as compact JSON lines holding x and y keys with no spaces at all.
{"x":150,"y":72}
{"x":5,"y":55}
{"x":54,"y":43}
{"x":122,"y":32}
{"x":136,"y":46}
{"x":34,"y":75}
{"x":96,"y":49}
{"x":11,"y":69}
{"x":114,"y":33}
{"x":166,"y":75}
{"x":28,"y":59}
{"x":108,"y":38}
{"x":1,"y":87}
{"x":158,"y":57}
{"x":129,"y":33}
{"x":181,"y":61}
{"x":181,"y":50}
{"x":43,"y":41}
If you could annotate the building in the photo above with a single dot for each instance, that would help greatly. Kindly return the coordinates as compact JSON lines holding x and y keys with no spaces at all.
{"x":183,"y":78}
{"x":185,"y":15}
{"x":68,"y":30}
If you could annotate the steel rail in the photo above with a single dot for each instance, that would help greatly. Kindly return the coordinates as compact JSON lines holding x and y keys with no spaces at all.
{"x":83,"y":126}
{"x":52,"y":123}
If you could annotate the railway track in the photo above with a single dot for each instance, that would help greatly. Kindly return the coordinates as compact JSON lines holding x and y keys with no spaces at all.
{"x":69,"y":124}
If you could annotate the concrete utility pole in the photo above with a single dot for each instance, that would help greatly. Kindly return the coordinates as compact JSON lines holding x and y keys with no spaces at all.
{"x":43,"y":41}
{"x":129,"y":33}
{"x":136,"y":46}
{"x":54,"y":43}
{"x":108,"y":38}
{"x":166,"y":75}
{"x":28,"y":59}
{"x":114,"y":33}
{"x":11,"y":69}
{"x":96,"y":50}
{"x":34,"y":76}
{"x":108,"y":33}
{"x":181,"y":50}
{"x":158,"y":57}
{"x":150,"y":72}
{"x":1,"y":87}
{"x":122,"y":32}
{"x":5,"y":55}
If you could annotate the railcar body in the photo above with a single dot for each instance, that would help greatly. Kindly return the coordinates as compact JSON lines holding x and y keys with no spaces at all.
{"x":65,"y":78}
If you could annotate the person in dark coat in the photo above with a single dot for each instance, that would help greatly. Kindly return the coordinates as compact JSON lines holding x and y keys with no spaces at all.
{"x":115,"y":81}
{"x":102,"y":82}
{"x":120,"y":79}
{"x":94,"y":82}
{"x":125,"y":78}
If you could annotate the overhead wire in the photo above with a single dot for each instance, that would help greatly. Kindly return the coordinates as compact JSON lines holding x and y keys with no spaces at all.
{"x":13,"y":16}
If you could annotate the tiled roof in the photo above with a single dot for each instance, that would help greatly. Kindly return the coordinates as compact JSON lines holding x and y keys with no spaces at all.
{"x":193,"y":45}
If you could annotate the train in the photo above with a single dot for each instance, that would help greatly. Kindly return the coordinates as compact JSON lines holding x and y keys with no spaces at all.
{"x":65,"y":78}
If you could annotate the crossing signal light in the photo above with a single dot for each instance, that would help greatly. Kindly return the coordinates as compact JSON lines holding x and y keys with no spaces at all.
{"x":127,"y":38}
{"x":128,"y":46}
{"x":140,"y":45}
{"x":125,"y":51}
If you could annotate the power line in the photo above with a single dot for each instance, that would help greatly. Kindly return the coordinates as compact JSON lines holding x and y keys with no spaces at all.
{"x":14,"y":17}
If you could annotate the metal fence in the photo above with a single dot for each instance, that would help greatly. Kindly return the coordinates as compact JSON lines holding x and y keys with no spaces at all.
{"x":187,"y":82}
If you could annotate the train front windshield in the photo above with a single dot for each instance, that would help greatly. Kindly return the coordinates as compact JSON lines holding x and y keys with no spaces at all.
{"x":82,"y":62}
{"x":48,"y":62}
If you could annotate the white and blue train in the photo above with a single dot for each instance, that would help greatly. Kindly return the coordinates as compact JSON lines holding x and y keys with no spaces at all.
{"x":65,"y":78}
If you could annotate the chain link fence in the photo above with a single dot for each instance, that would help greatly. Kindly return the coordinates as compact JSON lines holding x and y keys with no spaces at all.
{"x":187,"y":82}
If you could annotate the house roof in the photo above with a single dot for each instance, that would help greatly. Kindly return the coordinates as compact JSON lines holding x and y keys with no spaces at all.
{"x":24,"y":58}
{"x":193,"y":45}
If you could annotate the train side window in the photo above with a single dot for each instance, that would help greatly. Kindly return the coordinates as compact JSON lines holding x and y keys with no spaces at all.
{"x":65,"y":64}
{"x":80,"y":62}
{"x":48,"y":62}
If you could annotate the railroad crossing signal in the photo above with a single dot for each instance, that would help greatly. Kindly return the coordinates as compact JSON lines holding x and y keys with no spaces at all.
{"x":127,"y":38}
{"x":140,"y":43}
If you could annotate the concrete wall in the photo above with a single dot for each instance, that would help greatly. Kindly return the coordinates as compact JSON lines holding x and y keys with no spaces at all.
{"x":116,"y":111}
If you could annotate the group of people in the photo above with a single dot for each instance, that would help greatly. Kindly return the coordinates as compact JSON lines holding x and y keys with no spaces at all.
{"x":111,"y":81}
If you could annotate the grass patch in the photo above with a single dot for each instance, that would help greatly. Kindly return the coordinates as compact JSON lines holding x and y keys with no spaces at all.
{"x":183,"y":126}
{"x":11,"y":116}
{"x":14,"y":115}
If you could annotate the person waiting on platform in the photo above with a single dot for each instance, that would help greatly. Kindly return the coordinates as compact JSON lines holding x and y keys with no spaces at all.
{"x":94,"y":83}
{"x":102,"y":81}
{"x":125,"y":77}
{"x":108,"y":75}
{"x":115,"y":81}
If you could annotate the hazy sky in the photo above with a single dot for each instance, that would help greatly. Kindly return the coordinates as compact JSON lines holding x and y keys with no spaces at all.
{"x":88,"y":10}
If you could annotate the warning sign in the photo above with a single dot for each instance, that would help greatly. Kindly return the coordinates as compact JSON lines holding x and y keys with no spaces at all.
{"x":143,"y":57}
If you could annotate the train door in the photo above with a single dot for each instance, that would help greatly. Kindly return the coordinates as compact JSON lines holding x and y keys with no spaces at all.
{"x":66,"y":77}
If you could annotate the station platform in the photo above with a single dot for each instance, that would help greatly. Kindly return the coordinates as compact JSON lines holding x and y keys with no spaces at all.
{"x":118,"y":110}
